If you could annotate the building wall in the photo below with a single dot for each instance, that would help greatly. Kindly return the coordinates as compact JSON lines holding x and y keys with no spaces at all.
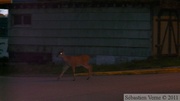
{"x":108,"y":34}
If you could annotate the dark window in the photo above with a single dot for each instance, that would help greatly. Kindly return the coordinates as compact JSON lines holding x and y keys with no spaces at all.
{"x":22,"y":19}
{"x":17,"y":20}
{"x":27,"y":19}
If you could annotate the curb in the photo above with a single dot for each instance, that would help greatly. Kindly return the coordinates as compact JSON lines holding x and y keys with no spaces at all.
{"x":137,"y":72}
{"x":125,"y":72}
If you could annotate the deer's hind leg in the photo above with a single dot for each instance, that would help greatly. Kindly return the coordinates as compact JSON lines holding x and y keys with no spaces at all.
{"x":89,"y":68}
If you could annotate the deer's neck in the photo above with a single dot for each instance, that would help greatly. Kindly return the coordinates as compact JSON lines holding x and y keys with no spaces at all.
{"x":66,"y":58}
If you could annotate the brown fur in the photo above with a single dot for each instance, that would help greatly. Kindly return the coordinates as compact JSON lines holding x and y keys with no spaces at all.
{"x":75,"y":61}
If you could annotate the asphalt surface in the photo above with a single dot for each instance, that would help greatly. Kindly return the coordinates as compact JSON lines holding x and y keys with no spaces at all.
{"x":98,"y":88}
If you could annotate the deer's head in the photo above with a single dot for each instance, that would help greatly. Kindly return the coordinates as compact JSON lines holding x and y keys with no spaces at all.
{"x":61,"y":53}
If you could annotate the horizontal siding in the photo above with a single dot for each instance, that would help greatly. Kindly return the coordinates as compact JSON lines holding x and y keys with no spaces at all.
{"x":91,"y":25}
{"x":79,"y":33}
{"x":83,"y":10}
{"x":83,"y":42}
{"x":77,"y":50}
{"x":92,"y":16}
{"x":94,"y":31}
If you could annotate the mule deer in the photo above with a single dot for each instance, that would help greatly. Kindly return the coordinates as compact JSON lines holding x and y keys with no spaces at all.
{"x":75,"y":61}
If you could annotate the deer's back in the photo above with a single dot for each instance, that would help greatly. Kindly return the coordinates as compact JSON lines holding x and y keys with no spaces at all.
{"x":77,"y":60}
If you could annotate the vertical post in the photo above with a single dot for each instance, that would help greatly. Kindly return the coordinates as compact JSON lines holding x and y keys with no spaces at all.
{"x":177,"y":15}
{"x":170,"y":30}
{"x":159,"y":35}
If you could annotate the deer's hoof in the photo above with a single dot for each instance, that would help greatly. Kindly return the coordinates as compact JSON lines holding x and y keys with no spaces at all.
{"x":88,"y":78}
{"x":59,"y":78}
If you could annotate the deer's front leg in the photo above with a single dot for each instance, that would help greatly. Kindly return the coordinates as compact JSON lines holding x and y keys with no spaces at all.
{"x":65,"y":68}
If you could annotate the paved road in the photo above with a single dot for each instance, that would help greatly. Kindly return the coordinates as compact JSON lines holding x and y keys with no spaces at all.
{"x":98,"y":88}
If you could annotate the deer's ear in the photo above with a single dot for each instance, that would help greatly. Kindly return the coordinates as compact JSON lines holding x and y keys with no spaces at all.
{"x":62,"y":50}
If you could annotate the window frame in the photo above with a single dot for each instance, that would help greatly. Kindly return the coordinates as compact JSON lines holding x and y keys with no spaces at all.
{"x":21,"y":20}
